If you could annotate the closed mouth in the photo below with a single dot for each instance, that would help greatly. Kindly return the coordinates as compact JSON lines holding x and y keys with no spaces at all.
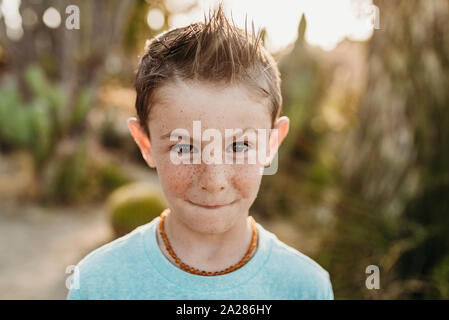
{"x":210,"y":206}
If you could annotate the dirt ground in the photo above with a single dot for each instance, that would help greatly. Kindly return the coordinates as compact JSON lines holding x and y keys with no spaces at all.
{"x":38,"y":244}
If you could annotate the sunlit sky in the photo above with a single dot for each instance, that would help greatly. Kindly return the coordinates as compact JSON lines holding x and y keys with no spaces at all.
{"x":328,"y":21}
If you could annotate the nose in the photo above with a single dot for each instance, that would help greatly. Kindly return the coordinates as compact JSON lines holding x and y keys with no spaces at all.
{"x":213,"y":178}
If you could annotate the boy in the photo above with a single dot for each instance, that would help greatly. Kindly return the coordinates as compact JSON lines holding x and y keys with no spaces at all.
{"x":205,"y":245}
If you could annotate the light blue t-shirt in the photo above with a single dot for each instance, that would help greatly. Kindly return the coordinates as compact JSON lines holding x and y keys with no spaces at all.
{"x":133,"y":267}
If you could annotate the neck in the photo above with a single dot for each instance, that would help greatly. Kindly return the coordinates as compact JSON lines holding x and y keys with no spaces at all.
{"x":208,"y":252}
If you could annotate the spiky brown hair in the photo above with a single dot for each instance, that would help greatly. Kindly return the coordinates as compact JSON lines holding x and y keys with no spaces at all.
{"x":214,"y":50}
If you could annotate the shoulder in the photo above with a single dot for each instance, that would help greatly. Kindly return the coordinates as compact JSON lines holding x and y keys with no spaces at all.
{"x":297,"y":270}
{"x":121,"y":248}
{"x":106,"y":266}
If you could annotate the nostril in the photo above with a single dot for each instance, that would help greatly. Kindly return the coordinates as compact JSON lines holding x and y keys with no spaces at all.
{"x":211,"y":188}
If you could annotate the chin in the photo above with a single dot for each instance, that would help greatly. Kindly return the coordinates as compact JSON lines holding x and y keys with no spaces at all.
{"x":209,"y":221}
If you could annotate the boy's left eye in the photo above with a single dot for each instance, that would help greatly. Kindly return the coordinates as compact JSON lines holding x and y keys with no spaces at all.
{"x":240,"y":146}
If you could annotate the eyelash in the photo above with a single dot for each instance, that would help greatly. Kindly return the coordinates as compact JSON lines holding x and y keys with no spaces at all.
{"x":189,"y":145}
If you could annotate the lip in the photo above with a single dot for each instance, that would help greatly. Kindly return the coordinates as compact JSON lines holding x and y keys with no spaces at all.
{"x":210,"y":206}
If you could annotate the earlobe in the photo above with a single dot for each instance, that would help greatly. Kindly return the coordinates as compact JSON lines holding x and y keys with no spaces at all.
{"x":141,"y":139}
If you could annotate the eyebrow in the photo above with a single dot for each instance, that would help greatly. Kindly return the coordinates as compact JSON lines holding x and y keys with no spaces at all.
{"x":167,"y":135}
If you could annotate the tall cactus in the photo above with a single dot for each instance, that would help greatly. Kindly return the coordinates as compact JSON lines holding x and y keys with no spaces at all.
{"x":395,"y":211}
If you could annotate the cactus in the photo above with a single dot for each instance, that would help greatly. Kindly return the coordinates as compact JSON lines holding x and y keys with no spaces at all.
{"x":133,"y":205}
{"x":37,"y":125}
{"x":14,"y":117}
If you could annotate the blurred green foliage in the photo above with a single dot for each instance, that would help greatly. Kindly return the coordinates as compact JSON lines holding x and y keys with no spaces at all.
{"x":75,"y":177}
{"x":45,"y":125}
{"x":71,"y":177}
{"x":133,"y":205}
{"x":393,"y":207}
{"x":112,"y":176}
{"x":38,"y":125}
{"x":109,"y":135}
{"x":382,"y":180}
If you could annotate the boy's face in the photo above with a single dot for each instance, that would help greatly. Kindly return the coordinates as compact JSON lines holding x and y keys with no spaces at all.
{"x":190,"y":187}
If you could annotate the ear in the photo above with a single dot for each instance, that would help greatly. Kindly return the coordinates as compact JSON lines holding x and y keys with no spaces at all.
{"x":278,"y":134}
{"x":142,"y":140}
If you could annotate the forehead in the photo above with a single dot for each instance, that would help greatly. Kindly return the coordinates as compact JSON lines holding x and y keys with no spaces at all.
{"x":217,"y":106}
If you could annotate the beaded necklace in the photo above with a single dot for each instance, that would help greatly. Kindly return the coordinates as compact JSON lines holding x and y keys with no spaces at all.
{"x":193,"y":270}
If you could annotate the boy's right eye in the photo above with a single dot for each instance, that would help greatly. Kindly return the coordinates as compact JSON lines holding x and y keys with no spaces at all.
{"x":182,"y":148}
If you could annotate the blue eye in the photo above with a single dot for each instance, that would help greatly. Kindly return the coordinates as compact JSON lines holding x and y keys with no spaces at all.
{"x":182,"y":148}
{"x":237,"y":146}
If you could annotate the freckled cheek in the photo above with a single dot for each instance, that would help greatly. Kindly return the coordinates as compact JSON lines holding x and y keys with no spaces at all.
{"x":247,"y":180}
{"x":176,"y":179}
